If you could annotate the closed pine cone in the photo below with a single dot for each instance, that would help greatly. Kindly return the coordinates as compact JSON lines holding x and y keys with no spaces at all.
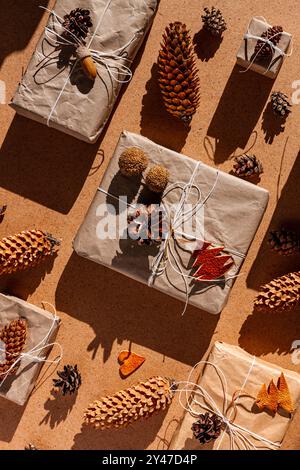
{"x":127,"y":406}
{"x":280,"y":104}
{"x":178,"y":80}
{"x":280,"y":294}
{"x":13,"y":336}
{"x":284,"y":242}
{"x":25,"y":250}
{"x":262,"y":48}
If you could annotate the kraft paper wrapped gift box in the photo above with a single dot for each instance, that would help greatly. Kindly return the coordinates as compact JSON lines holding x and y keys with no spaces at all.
{"x":233,"y":210}
{"x":268,"y":66}
{"x":42,"y":328}
{"x":53,"y":93}
{"x":244,"y":375}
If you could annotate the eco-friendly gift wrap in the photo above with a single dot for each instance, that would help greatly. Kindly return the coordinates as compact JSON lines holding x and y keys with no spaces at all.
{"x":228,"y":213}
{"x":228,"y":385}
{"x":55,"y":90}
{"x":270,"y":64}
{"x":42,"y":328}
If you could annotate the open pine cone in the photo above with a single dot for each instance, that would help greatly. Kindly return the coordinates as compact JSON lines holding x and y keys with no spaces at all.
{"x":213,"y":21}
{"x":69,"y":380}
{"x":280,"y":294}
{"x":207,"y":428}
{"x":280,"y":104}
{"x":247,"y":166}
{"x":147,"y":225}
{"x":77,"y":23}
{"x":284,"y":242}
{"x":264,"y":49}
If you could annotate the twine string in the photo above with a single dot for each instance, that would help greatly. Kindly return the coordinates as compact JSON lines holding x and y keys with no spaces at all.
{"x":193,"y":396}
{"x":35,"y":354}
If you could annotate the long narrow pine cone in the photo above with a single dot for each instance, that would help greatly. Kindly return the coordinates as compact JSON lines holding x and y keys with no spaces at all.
{"x":264,"y":49}
{"x":12,"y":339}
{"x":132,"y":404}
{"x":25,"y":250}
{"x":280,"y":294}
{"x":178,"y":75}
{"x":284,"y":242}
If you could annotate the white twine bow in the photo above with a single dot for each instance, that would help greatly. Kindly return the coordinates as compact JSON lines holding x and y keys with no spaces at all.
{"x":192,"y":397}
{"x":35,"y":354}
{"x":167,"y":253}
{"x":265,"y":41}
{"x":117,"y":71}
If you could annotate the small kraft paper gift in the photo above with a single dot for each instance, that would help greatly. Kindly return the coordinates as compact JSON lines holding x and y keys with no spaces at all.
{"x":27,"y":333}
{"x":81,"y":61}
{"x":240,"y":402}
{"x":171,"y":222}
{"x":264,"y":47}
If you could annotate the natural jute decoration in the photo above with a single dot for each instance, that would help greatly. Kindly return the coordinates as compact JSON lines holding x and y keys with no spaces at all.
{"x":127,"y":406}
{"x":280,"y":294}
{"x":178,"y":75}
{"x":25,"y":250}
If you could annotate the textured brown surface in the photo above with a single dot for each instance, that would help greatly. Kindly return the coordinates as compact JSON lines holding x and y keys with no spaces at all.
{"x":48,"y":180}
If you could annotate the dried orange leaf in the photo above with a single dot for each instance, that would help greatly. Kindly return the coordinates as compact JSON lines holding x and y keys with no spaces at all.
{"x":130,"y":362}
{"x":284,"y":397}
{"x":268,"y":398}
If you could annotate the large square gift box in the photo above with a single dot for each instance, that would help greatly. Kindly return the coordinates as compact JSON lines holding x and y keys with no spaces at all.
{"x":231,"y":376}
{"x":228,"y":212}
{"x":248,"y":54}
{"x":55,"y":91}
{"x":41,"y":330}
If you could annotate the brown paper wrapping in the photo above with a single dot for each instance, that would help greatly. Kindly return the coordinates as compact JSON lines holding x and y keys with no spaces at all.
{"x":269,"y":66}
{"x":231,"y":217}
{"x":17,"y":388}
{"x":236,"y":364}
{"x":83,"y":108}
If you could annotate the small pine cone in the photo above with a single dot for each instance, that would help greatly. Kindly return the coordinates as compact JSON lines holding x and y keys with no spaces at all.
{"x":77,"y":23}
{"x":25,"y":250}
{"x":280,"y":104}
{"x":12,"y":342}
{"x":31,"y":447}
{"x":213,"y":21}
{"x":127,"y":406}
{"x":69,"y":380}
{"x":178,"y":80}
{"x":247,"y":166}
{"x":264,"y":49}
{"x":284,"y":242}
{"x":207,"y":428}
{"x":147,"y":225}
{"x":280,"y":294}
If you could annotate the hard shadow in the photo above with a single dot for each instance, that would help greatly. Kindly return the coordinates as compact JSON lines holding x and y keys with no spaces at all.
{"x":270,"y":332}
{"x":131,"y":438}
{"x":268,"y":265}
{"x":18,"y":23}
{"x":24,"y":283}
{"x":10,"y":416}
{"x":272,"y":125}
{"x":58,"y":408}
{"x":238,"y":111}
{"x":206,"y":45}
{"x":44,"y":165}
{"x":132,"y":311}
{"x":156,"y":123}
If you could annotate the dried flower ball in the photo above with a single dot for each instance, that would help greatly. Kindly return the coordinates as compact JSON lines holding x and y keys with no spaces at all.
{"x":133,"y":162}
{"x":157,"y":178}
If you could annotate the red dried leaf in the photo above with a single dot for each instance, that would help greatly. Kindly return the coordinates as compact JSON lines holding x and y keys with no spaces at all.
{"x":211,"y":264}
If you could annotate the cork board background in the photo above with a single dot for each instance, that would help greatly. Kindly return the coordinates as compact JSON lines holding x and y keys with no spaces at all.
{"x":48,"y":179}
